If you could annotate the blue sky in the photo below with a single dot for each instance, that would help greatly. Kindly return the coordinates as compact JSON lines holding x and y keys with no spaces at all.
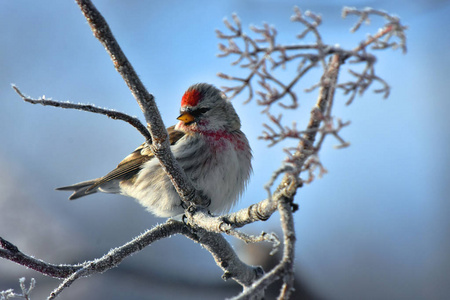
{"x":376,"y":226}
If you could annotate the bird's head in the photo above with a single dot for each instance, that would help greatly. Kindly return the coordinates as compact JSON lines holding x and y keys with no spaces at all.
{"x":206,"y":108}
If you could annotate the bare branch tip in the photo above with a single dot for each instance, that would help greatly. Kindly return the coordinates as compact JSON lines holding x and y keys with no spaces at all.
{"x":17,"y":90}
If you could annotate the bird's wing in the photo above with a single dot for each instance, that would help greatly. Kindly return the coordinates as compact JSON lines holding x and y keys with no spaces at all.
{"x":131,"y":164}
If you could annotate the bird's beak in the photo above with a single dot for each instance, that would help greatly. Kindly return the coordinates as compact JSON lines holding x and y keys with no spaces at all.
{"x":186,"y":117}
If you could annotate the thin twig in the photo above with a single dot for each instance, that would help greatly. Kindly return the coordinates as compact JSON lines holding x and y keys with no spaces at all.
{"x":285,"y":269}
{"x":135,"y":122}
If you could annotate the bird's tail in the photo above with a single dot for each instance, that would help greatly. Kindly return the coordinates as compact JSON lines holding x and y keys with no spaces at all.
{"x":80,"y":189}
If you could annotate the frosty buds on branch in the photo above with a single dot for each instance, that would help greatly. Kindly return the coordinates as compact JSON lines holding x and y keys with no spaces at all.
{"x":263,"y":56}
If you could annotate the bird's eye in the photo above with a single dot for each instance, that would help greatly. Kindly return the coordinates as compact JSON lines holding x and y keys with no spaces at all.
{"x":203,"y":110}
{"x":200,"y":111}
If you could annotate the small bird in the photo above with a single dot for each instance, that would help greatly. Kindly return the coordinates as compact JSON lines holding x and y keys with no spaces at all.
{"x":208,"y":144}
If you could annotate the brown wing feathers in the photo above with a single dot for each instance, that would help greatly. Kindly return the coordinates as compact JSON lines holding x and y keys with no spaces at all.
{"x":131,"y":164}
{"x":126,"y":169}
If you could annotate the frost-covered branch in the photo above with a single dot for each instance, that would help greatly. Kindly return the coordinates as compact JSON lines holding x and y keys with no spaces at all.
{"x":219,"y":248}
{"x":10,"y":294}
{"x":160,"y":144}
{"x":261,"y":56}
{"x":116,"y":115}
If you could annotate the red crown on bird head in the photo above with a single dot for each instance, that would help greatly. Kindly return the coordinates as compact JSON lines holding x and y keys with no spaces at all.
{"x":190,"y":98}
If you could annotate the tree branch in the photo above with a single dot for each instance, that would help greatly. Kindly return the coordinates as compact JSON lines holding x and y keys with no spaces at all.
{"x":282,"y":198}
{"x":116,"y":115}
{"x":219,"y":248}
{"x":8,"y":294}
{"x":285,"y":269}
{"x":225,"y":257}
{"x":12,"y":253}
{"x":160,"y":143}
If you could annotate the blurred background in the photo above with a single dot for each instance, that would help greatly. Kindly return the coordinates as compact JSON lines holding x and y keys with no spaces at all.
{"x":375,"y":227}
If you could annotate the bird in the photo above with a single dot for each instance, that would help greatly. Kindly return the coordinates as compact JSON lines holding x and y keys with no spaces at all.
{"x":208,"y":144}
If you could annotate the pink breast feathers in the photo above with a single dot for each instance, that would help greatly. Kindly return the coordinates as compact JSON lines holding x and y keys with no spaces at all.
{"x":190,"y":98}
{"x":220,"y":138}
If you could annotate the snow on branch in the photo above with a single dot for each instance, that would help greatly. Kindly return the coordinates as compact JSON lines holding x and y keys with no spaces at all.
{"x":10,"y":294}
